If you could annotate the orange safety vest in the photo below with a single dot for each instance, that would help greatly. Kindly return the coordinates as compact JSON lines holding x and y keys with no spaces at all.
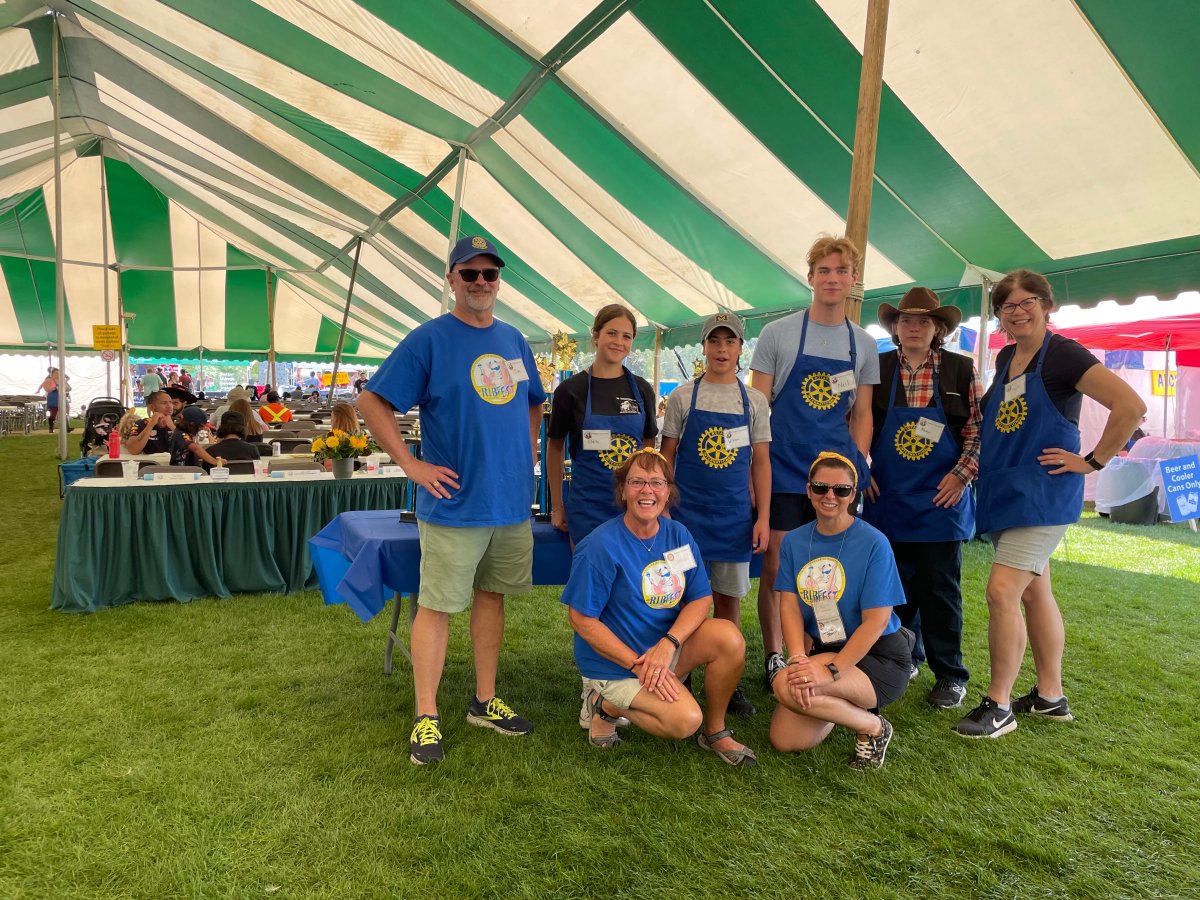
{"x":276,"y":415}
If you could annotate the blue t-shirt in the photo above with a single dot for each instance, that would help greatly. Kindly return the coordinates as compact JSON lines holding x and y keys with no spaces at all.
{"x":474,"y":416}
{"x":861,"y":573}
{"x":630,"y":589}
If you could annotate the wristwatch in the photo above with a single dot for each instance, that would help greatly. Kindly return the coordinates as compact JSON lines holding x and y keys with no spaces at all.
{"x":833,"y":670}
{"x":1091,"y":460}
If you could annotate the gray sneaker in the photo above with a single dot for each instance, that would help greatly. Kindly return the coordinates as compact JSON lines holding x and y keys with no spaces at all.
{"x":947,"y":694}
{"x":1035,"y":705}
{"x":773,"y":664}
{"x":870,"y":751}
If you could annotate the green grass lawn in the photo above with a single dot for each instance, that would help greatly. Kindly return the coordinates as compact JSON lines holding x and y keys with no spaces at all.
{"x":252,"y":747}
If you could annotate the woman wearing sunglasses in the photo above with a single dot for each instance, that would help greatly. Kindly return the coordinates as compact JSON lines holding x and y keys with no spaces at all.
{"x":849,"y":655}
{"x":1031,"y":489}
{"x":638,"y":601}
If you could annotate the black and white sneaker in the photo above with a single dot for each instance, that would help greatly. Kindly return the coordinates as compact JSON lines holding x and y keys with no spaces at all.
{"x":740,"y":705}
{"x":1034,"y":704}
{"x":869,"y":750}
{"x":774,"y":663}
{"x":947,"y":694}
{"x":914,"y":672}
{"x":986,"y":720}
{"x":498,"y":715}
{"x":425,"y":742}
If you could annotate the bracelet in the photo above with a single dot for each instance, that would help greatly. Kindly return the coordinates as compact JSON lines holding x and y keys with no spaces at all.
{"x":674,"y":640}
{"x":1091,"y":460}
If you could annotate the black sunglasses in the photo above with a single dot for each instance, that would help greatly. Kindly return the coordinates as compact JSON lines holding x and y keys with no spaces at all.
{"x":820,"y":488}
{"x":470,"y":275}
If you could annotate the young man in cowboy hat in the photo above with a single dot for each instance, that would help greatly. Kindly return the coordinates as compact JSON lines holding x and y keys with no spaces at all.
{"x":924,"y":455}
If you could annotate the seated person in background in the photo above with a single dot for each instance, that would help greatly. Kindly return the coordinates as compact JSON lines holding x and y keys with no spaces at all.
{"x":315,"y":396}
{"x":185,"y":447}
{"x":273,"y":412}
{"x":235,"y":393}
{"x":153,"y":434}
{"x":641,"y":623}
{"x":230,"y":443}
{"x":255,"y":429}
{"x":848,"y":654}
{"x":344,"y":417}
{"x":287,"y":395}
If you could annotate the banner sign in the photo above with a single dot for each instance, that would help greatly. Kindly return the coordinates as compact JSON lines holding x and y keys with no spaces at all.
{"x":106,"y":337}
{"x":1162,"y":382}
{"x":1181,"y":482}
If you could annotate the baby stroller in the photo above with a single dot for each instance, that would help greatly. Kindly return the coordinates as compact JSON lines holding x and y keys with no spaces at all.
{"x":102,"y":416}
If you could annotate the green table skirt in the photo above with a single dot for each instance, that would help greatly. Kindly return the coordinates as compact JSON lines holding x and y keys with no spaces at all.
{"x":182,"y":541}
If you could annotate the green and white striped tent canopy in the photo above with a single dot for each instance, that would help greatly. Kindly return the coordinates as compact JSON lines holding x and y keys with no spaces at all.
{"x":675,"y":155}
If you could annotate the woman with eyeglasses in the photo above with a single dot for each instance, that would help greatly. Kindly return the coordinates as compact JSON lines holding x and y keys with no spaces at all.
{"x":848,"y":654}
{"x":604,"y":414}
{"x":1030,"y":490}
{"x":638,"y":601}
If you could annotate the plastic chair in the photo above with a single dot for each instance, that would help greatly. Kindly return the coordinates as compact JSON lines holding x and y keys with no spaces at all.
{"x":240,"y":466}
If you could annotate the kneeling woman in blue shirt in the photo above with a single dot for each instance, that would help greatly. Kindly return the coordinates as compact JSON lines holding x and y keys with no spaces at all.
{"x":639,"y":601}
{"x":849,"y":655}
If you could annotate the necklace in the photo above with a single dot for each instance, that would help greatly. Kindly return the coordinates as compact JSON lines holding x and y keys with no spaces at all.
{"x":649,"y":548}
{"x":840,"y":546}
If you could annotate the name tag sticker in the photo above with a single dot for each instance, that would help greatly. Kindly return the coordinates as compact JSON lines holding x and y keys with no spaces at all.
{"x":598,"y":439}
{"x":737,"y":437}
{"x":842,"y":382}
{"x":1014,"y":389}
{"x":829,"y":621}
{"x":929,"y":429}
{"x":516,"y":368}
{"x":680,"y":560}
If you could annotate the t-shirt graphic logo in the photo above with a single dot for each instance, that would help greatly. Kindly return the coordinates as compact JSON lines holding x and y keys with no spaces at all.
{"x":492,"y":380}
{"x":822,"y":579}
{"x":661,"y":588}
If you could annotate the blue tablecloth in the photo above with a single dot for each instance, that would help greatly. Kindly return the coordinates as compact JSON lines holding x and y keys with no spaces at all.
{"x":363,"y":558}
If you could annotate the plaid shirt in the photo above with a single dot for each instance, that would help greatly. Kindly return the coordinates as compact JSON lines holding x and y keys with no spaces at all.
{"x":918,"y":390}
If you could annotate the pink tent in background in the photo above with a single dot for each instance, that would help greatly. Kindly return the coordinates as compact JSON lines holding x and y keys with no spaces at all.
{"x":1146,"y":334}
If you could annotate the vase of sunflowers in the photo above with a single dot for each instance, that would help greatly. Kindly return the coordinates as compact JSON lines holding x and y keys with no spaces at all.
{"x":338,"y":450}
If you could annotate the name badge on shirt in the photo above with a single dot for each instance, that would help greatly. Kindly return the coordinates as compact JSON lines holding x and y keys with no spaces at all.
{"x":1014,"y":389}
{"x":829,"y":621}
{"x":929,"y":429}
{"x":680,"y":560}
{"x":842,"y":382}
{"x":516,"y":368}
{"x":599,"y":439}
{"x":737,"y":437}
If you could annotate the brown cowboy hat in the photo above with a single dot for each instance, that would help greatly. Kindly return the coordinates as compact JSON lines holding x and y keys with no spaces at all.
{"x":920,"y":301}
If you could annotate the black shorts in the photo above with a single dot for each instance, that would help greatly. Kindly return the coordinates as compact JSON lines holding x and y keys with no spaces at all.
{"x":887,"y":664}
{"x":790,"y":511}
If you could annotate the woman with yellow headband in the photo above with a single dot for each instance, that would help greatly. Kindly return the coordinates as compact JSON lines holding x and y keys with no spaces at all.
{"x":638,"y":600}
{"x":848,"y":654}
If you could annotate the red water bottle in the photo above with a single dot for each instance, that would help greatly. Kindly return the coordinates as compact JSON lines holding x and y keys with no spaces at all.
{"x":114,"y":445}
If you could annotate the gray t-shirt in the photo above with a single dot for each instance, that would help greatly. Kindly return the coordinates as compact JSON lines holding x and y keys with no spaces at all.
{"x":721,"y":398}
{"x":775,"y":354}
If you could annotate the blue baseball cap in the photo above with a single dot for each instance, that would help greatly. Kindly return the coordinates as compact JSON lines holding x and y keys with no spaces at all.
{"x":471,"y":246}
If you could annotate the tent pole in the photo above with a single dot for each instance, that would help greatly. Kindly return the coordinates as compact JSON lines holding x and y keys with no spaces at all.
{"x":981,"y":339}
{"x":337,"y":357}
{"x":64,"y":405}
{"x":123,"y":368}
{"x":270,"y":332}
{"x":104,"y":242}
{"x":866,"y":130}
{"x":455,"y":214}
{"x":1167,"y":385}
{"x":658,"y":333}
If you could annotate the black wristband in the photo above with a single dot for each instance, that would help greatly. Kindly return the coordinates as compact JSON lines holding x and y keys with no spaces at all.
{"x":674,"y":640}
{"x":1091,"y":460}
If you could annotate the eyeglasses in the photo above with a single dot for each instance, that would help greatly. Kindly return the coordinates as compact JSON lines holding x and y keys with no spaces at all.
{"x":471,"y":275}
{"x":1026,"y":304}
{"x":656,"y":484}
{"x":820,"y":488}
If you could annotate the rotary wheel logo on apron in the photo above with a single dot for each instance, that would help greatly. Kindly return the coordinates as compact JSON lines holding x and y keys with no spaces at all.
{"x":619,"y":450}
{"x":817,"y":391}
{"x":713,"y":451}
{"x":909,"y":445}
{"x":1011,"y":415}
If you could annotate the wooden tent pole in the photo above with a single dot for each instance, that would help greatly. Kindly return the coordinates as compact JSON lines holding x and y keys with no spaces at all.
{"x":866,"y":130}
{"x":455,"y":215}
{"x":337,"y":357}
{"x":60,"y":311}
{"x":270,"y":332}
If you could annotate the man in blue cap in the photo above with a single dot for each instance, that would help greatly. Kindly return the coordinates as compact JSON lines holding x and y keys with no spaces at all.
{"x":475,"y":382}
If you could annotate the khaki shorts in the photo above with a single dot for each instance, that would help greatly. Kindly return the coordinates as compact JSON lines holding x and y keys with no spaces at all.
{"x":620,"y":691}
{"x":729,"y":578}
{"x":1027,"y":549}
{"x":456,"y":562}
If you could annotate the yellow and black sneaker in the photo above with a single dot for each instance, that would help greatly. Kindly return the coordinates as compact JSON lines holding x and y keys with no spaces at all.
{"x":425,"y":743}
{"x":497,"y":714}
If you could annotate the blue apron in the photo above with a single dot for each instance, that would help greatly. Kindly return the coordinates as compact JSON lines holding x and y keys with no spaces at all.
{"x":714,"y":483}
{"x":808,"y":417}
{"x":590,"y":498}
{"x":52,"y":398}
{"x":908,"y":469}
{"x":1015,"y":490}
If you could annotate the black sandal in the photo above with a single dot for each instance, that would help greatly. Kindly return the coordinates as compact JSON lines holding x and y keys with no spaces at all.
{"x":608,"y":741}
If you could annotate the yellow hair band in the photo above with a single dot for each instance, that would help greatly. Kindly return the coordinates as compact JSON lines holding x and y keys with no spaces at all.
{"x":650,"y":450}
{"x":826,"y":455}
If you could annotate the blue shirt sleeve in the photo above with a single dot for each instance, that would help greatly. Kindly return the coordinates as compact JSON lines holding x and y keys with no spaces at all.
{"x":403,"y":379}
{"x":881,"y":580}
{"x":537,"y":394}
{"x":785,"y":577}
{"x":588,"y":586}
